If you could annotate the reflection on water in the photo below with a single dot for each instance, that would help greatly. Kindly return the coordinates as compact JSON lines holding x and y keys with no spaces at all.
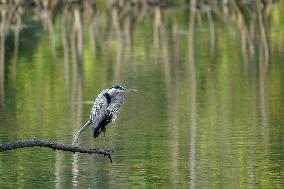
{"x":209,"y":111}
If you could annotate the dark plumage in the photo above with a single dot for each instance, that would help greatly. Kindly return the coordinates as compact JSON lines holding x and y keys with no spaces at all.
{"x":102,"y":125}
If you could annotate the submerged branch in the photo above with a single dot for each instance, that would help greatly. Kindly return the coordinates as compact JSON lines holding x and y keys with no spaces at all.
{"x":55,"y":146}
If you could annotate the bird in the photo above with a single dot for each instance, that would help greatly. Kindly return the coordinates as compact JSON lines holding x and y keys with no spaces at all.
{"x":105,"y":110}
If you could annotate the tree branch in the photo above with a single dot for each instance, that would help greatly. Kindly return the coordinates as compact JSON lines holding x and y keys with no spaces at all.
{"x":77,"y":135}
{"x":55,"y":146}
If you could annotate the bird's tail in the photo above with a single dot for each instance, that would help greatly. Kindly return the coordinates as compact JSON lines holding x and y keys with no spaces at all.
{"x":97,"y":130}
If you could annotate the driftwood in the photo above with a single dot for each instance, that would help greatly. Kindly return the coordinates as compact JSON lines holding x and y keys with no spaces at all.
{"x":53,"y":145}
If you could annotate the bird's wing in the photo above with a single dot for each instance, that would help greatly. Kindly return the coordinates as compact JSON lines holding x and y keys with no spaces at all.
{"x":115,"y":105}
{"x":99,"y":110}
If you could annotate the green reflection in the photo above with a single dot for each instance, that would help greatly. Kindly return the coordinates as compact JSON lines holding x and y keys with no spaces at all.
{"x":209,"y":109}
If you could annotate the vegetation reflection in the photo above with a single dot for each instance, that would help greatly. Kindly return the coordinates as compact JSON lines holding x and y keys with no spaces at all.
{"x":211,"y":74}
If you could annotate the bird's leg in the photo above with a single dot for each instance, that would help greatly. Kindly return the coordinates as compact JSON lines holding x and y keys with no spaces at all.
{"x":105,"y":142}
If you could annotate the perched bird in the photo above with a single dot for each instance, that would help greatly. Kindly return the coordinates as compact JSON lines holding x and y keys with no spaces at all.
{"x":105,"y":110}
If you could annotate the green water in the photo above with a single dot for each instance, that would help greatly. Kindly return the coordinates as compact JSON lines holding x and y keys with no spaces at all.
{"x":209,"y":112}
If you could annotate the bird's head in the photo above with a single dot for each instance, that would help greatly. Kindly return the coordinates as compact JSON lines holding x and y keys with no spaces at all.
{"x":114,"y":90}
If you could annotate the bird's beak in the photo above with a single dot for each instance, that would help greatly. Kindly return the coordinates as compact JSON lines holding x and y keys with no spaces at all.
{"x":126,"y":89}
{"x":133,"y":90}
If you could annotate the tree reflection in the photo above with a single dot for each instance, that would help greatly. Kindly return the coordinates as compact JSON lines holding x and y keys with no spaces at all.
{"x":2,"y":52}
{"x":45,"y":10}
{"x":95,"y":44}
{"x":123,"y":16}
{"x":193,"y":114}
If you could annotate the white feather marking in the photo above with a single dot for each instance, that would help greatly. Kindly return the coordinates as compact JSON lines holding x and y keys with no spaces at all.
{"x":99,"y":109}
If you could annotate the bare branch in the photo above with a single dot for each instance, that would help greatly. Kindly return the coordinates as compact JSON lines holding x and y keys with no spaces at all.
{"x":77,"y":135}
{"x":55,"y":146}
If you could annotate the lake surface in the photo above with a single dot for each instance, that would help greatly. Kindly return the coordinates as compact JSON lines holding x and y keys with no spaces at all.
{"x":209,"y":112}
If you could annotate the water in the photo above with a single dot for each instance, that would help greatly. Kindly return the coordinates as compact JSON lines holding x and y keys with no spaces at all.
{"x":208,"y":114}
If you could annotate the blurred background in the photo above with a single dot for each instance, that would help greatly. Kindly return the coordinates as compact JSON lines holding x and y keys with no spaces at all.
{"x":210,"y":108}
